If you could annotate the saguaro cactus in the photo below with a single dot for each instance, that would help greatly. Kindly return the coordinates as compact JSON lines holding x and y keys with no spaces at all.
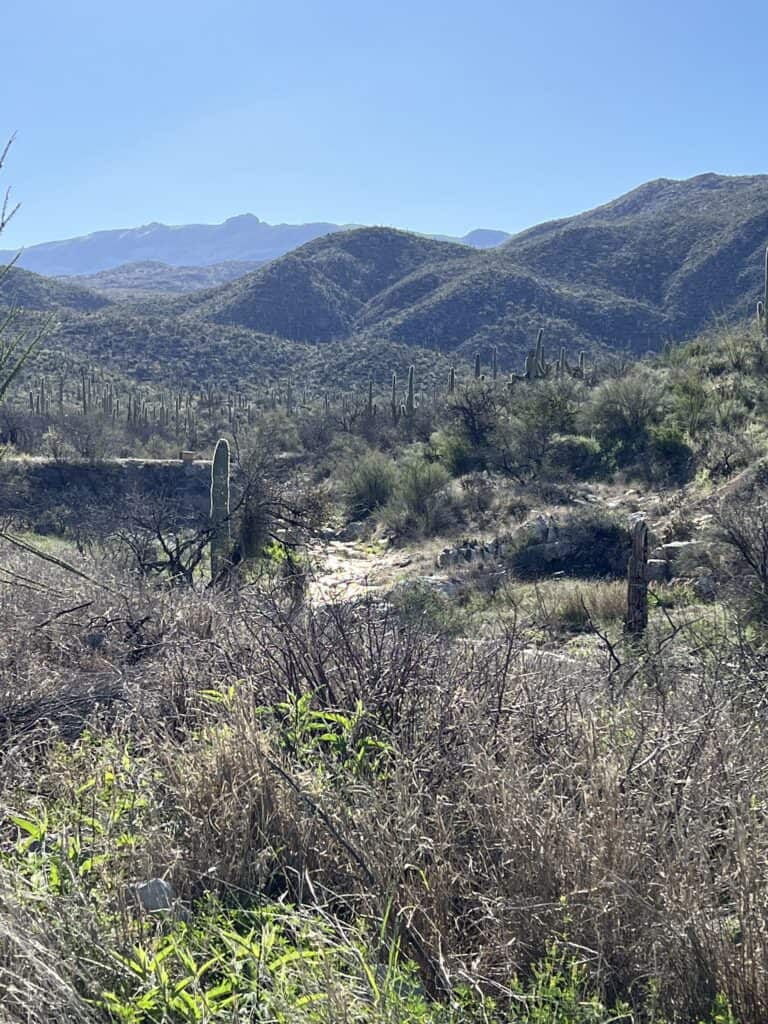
{"x":535,"y":366}
{"x":637,"y":580}
{"x":394,"y":404}
{"x":495,"y":362}
{"x":562,"y":363}
{"x":220,"y":532}
{"x":762,"y":307}
{"x":410,"y":404}
{"x":477,"y":365}
{"x":451,"y":381}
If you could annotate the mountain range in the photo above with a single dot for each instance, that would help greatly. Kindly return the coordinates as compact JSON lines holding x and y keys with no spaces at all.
{"x":655,"y":265}
{"x":241,"y":238}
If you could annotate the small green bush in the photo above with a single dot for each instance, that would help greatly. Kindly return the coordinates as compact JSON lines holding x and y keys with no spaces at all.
{"x":420,"y":503}
{"x":621,"y":413}
{"x":579,"y":457}
{"x":371,"y":485}
{"x":419,"y":483}
{"x":670,"y":458}
{"x":455,"y":452}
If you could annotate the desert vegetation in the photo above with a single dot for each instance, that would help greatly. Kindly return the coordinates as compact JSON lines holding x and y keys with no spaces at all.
{"x":365,"y":682}
{"x":227,"y":798}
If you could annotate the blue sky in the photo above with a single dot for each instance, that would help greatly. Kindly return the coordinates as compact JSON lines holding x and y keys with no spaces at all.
{"x":436,"y":116}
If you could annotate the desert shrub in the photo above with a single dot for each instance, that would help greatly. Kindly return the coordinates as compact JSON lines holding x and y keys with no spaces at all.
{"x":519,"y":507}
{"x":621,"y":413}
{"x":420,"y":605}
{"x":307,"y":781}
{"x":57,"y":447}
{"x":742,"y":528}
{"x":576,"y":456}
{"x":474,"y":411}
{"x":316,"y":431}
{"x":589,"y":544}
{"x":419,"y":482}
{"x":724,"y":452}
{"x":477,"y":492}
{"x":670,"y":459}
{"x":455,"y":452}
{"x":532,"y":416}
{"x":690,"y":402}
{"x":420,"y":503}
{"x":370,"y":485}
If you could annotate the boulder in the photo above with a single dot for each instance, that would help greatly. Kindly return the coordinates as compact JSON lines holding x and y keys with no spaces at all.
{"x":674,"y":548}
{"x":153,"y":896}
{"x":657,"y":570}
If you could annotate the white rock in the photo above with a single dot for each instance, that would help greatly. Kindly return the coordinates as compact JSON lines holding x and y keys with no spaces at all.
{"x":154,"y":895}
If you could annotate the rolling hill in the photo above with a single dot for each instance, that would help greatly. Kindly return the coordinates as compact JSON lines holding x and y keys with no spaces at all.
{"x":33,"y":291}
{"x":656,"y":264}
{"x":154,"y":278}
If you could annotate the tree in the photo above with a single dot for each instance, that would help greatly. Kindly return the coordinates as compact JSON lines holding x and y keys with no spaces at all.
{"x":15,"y":347}
{"x":742,"y":525}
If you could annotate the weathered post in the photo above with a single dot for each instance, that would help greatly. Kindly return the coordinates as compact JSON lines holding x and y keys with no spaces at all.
{"x":219,"y":516}
{"x":637,"y":580}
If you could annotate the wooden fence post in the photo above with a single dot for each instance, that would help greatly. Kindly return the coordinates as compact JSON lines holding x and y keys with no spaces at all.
{"x":637,"y":580}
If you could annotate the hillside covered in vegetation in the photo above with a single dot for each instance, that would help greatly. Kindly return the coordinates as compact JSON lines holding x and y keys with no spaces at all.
{"x":657,"y":265}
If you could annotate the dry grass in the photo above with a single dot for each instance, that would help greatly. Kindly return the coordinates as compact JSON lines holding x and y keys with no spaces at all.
{"x":486,"y":799}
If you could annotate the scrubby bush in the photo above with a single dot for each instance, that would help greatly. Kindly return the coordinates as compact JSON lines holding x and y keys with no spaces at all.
{"x":621,"y":413}
{"x":474,"y":411}
{"x":419,"y":484}
{"x":670,"y":457}
{"x":420,"y":503}
{"x":454,"y":451}
{"x":573,"y":455}
{"x":365,"y":820}
{"x":742,"y":528}
{"x":371,"y":484}
{"x":578,"y":606}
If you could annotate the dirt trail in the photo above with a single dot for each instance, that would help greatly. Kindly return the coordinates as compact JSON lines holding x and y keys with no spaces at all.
{"x":348,"y":570}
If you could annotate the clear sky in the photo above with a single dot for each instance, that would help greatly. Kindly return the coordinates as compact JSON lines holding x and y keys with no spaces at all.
{"x":434,"y":115}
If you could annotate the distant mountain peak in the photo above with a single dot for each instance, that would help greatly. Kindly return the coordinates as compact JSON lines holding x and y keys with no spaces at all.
{"x":243,"y":218}
{"x":243,"y":237}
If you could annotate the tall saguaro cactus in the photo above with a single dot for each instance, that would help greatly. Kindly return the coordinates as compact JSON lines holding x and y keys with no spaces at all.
{"x":410,"y":403}
{"x":637,"y":580}
{"x":394,"y":404}
{"x":220,"y":532}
